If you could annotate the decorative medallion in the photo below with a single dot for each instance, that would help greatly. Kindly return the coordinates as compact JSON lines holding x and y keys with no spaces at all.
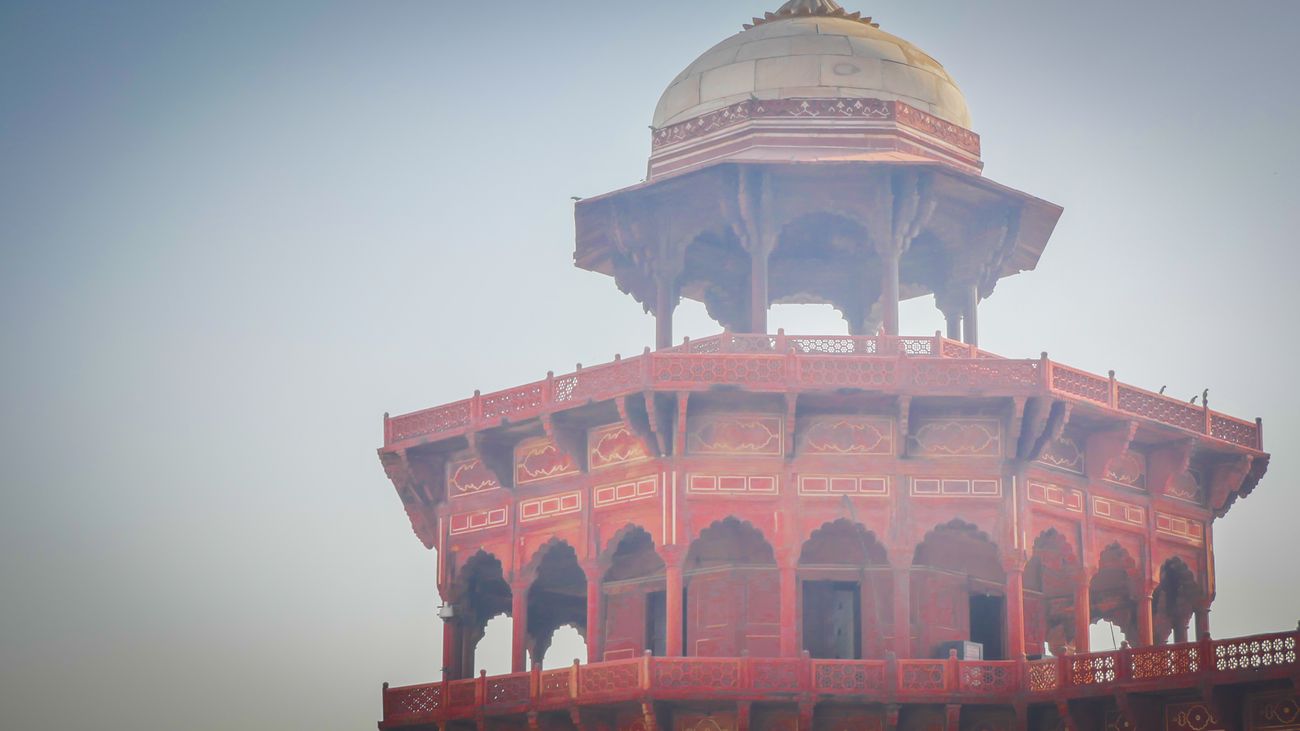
{"x":540,"y":459}
{"x":1190,"y":717}
{"x":733,"y":434}
{"x":612,"y":445}
{"x":1063,"y":453}
{"x":1185,"y":486}
{"x":469,"y":476}
{"x":1128,"y":469}
{"x":848,"y":435}
{"x":958,"y":437}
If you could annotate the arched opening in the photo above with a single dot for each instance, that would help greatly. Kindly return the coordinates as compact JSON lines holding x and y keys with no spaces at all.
{"x":567,"y":645}
{"x":634,"y":598}
{"x":556,"y":597}
{"x":846,"y":592}
{"x":716,"y":272}
{"x":1112,"y":591}
{"x":959,"y":572}
{"x":824,"y":258}
{"x":732,"y":593}
{"x":1052,"y":578}
{"x":1105,"y":635}
{"x":481,"y":595}
{"x":1175,"y":599}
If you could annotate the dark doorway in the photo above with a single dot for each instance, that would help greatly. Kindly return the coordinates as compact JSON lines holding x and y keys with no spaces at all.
{"x":832,"y":614}
{"x":656,"y":625}
{"x":986,"y":620}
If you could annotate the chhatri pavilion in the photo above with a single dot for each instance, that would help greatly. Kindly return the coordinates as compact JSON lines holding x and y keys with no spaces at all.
{"x":772,"y":532}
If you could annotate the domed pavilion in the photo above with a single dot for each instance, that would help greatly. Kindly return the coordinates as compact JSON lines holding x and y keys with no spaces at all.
{"x":876,"y":530}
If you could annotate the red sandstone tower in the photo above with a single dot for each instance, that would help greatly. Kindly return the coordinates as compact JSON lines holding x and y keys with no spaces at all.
{"x":870,"y":531}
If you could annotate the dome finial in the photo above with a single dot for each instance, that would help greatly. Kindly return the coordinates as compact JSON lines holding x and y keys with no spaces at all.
{"x":823,"y":8}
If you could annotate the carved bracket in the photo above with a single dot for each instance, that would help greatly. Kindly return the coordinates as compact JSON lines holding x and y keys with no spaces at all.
{"x":636,"y":421}
{"x":1167,"y":462}
{"x":1227,"y":479}
{"x":497,"y":458}
{"x":1105,"y":446}
{"x":570,"y":440}
{"x":660,"y":423}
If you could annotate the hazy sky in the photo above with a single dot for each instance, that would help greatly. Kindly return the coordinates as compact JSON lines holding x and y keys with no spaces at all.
{"x":233,"y":235}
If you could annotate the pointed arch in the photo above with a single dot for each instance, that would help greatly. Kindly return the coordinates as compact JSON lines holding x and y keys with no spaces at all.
{"x":1052,"y":580}
{"x":1113,"y":589}
{"x":1175,"y":598}
{"x":732,"y":541}
{"x":843,"y":542}
{"x":557,"y":595}
{"x":958,"y":569}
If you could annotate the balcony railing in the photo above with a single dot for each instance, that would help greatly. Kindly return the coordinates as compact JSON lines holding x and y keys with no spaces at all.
{"x":898,"y":681}
{"x":781,"y":362}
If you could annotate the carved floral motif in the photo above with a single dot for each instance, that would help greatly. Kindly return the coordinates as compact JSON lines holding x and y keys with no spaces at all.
{"x":849,"y":435}
{"x":1128,"y":469}
{"x":727,"y":434}
{"x":540,"y":459}
{"x":469,"y":476}
{"x":958,"y":438}
{"x":1063,"y":453}
{"x":614,"y":444}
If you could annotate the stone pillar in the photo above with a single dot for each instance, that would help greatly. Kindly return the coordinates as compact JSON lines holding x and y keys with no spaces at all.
{"x":673,"y":607}
{"x":595,"y":633}
{"x":519,"y":622}
{"x":1146,"y":633}
{"x":889,"y":288}
{"x":789,"y":583}
{"x":665,"y":305}
{"x":1180,"y":631}
{"x":903,"y":612}
{"x":1082,"y":615}
{"x":758,"y":289}
{"x":451,"y":649}
{"x":970,"y":322}
{"x":1202,"y":615}
{"x":1015,"y":632}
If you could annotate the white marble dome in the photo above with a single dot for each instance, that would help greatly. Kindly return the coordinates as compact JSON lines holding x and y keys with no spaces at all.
{"x":812,"y":56}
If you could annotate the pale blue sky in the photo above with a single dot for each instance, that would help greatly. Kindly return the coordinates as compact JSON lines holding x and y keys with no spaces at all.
{"x":233,"y":235}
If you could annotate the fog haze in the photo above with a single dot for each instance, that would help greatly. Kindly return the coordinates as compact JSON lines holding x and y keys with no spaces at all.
{"x":232,"y":235}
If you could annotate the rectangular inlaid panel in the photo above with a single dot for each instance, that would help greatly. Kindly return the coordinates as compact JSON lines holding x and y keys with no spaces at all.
{"x":935,"y":487}
{"x":549,"y":506}
{"x":1120,"y":512}
{"x":852,"y":436}
{"x":637,"y":488}
{"x":732,"y":484}
{"x":1046,"y":493}
{"x":613,"y":444}
{"x":957,"y":437}
{"x":479,"y":520}
{"x":736,"y":434}
{"x":541,"y":459}
{"x":837,"y":485}
{"x":1176,"y":526}
{"x":469,"y":477}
